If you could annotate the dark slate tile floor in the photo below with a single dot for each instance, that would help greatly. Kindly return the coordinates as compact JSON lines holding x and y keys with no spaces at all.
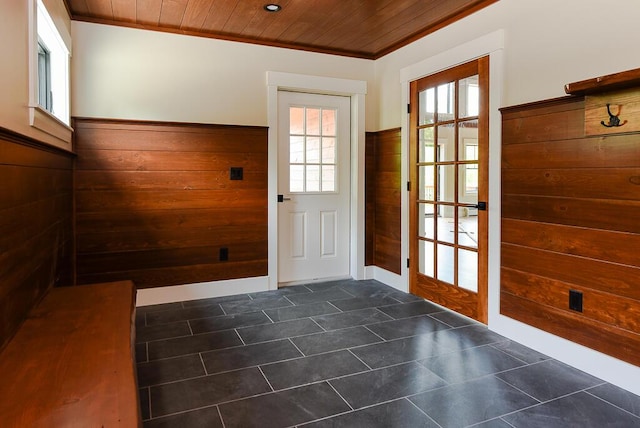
{"x":353,"y":354}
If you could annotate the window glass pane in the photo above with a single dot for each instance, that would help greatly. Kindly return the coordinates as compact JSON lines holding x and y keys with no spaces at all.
{"x":468,"y":227}
{"x":468,"y":180}
{"x":313,"y":121}
{"x":313,"y":178}
{"x":296,"y":149}
{"x":469,"y":102}
{"x":328,"y":122}
{"x":446,"y":101}
{"x":329,"y":150}
{"x":446,"y":143}
{"x":425,"y":250}
{"x":426,"y":190}
{"x":446,"y":183}
{"x":296,"y":178}
{"x":296,"y":120}
{"x":445,"y":263}
{"x":426,"y":151}
{"x":468,"y":140}
{"x":468,"y":270}
{"x":446,"y":224}
{"x":313,"y":149}
{"x":328,"y":178}
{"x":426,"y":225}
{"x":427,"y":106}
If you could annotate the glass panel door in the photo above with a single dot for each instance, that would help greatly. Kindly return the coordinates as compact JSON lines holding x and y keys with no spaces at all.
{"x":449,"y":146}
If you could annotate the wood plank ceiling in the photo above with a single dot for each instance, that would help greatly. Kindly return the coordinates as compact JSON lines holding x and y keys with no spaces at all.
{"x":358,"y":28}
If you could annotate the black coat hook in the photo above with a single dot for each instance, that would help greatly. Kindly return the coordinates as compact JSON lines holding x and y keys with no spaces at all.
{"x":614,"y":120}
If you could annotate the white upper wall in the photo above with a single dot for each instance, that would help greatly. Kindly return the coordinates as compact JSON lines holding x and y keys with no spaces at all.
{"x":128,"y":73}
{"x":548,"y":43}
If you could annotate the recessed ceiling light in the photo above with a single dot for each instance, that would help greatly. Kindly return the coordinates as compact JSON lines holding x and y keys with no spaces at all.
{"x":272,"y":7}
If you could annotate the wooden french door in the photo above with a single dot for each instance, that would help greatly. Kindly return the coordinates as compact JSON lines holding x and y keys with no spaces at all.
{"x":449,"y":141}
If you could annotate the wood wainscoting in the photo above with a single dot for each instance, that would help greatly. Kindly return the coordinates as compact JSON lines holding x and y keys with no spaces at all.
{"x":155,"y":202}
{"x":36,"y":227}
{"x":570,"y":221}
{"x":383,"y":191}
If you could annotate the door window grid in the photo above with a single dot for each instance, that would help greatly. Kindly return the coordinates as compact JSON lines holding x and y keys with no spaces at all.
{"x":445,"y":111}
{"x":312,"y":150}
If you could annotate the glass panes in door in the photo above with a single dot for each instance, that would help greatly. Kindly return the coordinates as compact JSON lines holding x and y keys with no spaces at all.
{"x":312,"y":150}
{"x":447,"y":173}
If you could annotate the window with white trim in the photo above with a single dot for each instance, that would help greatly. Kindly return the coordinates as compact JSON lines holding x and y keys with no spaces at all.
{"x":50,"y":67}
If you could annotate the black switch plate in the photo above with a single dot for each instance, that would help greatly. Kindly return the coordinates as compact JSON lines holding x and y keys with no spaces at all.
{"x":236,"y":173}
{"x":575,"y":300}
{"x":224,"y":254}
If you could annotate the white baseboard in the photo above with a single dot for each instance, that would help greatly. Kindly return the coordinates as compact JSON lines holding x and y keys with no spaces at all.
{"x":202,"y":290}
{"x":389,"y":278}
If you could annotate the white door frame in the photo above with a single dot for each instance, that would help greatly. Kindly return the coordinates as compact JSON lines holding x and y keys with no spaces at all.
{"x":356,"y":90}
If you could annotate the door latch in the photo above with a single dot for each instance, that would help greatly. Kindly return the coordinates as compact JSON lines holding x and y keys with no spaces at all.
{"x":281,"y":198}
{"x":482,"y":206}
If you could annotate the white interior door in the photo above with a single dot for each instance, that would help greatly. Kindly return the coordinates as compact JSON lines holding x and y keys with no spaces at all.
{"x":313,"y":186}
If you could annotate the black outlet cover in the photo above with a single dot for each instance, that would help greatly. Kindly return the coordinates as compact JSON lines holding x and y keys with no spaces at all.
{"x":236,"y":173}
{"x":224,"y":254}
{"x":575,"y":300}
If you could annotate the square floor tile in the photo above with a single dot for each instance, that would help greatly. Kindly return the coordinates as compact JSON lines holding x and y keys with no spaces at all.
{"x":320,"y":296}
{"x":206,"y":391}
{"x":280,"y":330}
{"x":249,"y":355}
{"x":407,"y":327}
{"x":145,"y":410}
{"x":618,"y":396}
{"x":470,"y":363}
{"x":141,"y":352}
{"x":412,"y":309}
{"x":576,"y":410}
{"x":351,"y":319}
{"x":285,"y":408}
{"x":253,"y":305}
{"x":400,"y":351}
{"x":160,"y":307}
{"x":282,"y":291}
{"x":174,"y":315}
{"x":170,"y":370}
{"x":363,"y":302}
{"x":549,"y":379}
{"x":335,"y":340}
{"x":306,"y":370}
{"x":453,"y":319}
{"x":192,"y":344}
{"x":467,"y":337}
{"x":520,"y":352}
{"x":471,"y":402}
{"x":201,"y":418}
{"x":301,"y":311}
{"x":386,"y":384}
{"x":399,"y":413}
{"x":226,"y":322}
{"x":162,"y":331}
{"x":215,"y":300}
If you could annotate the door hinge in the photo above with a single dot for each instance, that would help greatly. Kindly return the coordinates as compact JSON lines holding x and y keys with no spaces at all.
{"x":407,"y":262}
{"x":408,"y":186}
{"x":408,"y":108}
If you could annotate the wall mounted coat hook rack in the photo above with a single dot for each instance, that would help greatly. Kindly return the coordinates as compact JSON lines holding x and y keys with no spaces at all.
{"x":614,"y":120}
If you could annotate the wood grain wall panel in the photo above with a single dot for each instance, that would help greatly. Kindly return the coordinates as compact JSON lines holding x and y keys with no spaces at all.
{"x":155,"y":202}
{"x":602,"y":337}
{"x":620,"y":151}
{"x":570,"y":205}
{"x":36,"y":204}
{"x":577,"y":241}
{"x":592,"y":213}
{"x":369,"y":198}
{"x":383,"y":182}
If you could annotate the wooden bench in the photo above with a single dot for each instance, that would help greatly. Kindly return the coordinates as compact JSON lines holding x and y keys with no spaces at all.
{"x":72,"y":362}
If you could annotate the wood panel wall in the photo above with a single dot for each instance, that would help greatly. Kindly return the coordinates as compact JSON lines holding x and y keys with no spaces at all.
{"x":36,"y":200}
{"x":383,"y":190}
{"x":155,"y":202}
{"x":570,"y":221}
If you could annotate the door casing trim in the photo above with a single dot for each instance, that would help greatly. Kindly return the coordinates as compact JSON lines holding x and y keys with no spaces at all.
{"x":356,"y":90}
